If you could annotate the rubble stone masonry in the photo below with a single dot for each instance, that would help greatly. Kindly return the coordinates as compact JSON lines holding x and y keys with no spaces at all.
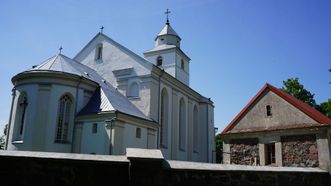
{"x":244,"y":151}
{"x":299,"y":151}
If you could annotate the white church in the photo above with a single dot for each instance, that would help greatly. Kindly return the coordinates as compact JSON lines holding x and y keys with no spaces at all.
{"x":107,"y":99}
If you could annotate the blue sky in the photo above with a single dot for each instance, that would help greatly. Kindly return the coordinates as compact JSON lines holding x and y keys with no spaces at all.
{"x":236,"y":46}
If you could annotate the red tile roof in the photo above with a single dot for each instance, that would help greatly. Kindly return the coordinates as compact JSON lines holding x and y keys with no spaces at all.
{"x":307,"y":109}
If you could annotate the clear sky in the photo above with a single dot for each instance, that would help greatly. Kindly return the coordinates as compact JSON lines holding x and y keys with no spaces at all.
{"x":236,"y":46}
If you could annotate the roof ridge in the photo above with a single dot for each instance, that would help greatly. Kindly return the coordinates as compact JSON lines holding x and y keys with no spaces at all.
{"x":54,"y":61}
{"x":45,"y":61}
{"x":117,"y":44}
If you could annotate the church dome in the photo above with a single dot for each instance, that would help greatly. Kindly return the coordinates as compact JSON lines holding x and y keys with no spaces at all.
{"x":168,"y":30}
{"x":167,"y":36}
{"x":62,"y":67}
{"x":63,"y":64}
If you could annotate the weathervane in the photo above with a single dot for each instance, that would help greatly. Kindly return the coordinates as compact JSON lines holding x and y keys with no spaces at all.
{"x":60,"y":49}
{"x":167,"y":12}
{"x":101,"y":29}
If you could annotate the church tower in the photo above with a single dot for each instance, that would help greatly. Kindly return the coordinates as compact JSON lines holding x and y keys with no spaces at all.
{"x":167,"y":54}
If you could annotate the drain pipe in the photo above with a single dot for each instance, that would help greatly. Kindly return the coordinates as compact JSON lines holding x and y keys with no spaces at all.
{"x":207,"y":112}
{"x":10,"y":117}
{"x":77,"y":86}
{"x":109,"y":126}
{"x":76,"y":103}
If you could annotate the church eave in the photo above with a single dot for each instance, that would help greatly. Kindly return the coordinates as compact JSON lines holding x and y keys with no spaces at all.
{"x":121,"y":116}
{"x":311,"y":127}
{"x":125,"y":116}
{"x":152,"y":51}
{"x":50,"y":73}
{"x":95,"y":116}
{"x":168,"y":35}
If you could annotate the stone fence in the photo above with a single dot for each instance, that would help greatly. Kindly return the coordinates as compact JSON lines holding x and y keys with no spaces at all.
{"x":142,"y":167}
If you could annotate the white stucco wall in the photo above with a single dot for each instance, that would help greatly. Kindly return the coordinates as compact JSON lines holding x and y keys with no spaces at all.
{"x":182,"y":74}
{"x":25,"y":141}
{"x":98,"y":142}
{"x":41,"y":114}
{"x":166,"y":151}
{"x":130,"y":140}
{"x":171,"y":63}
{"x":114,"y":57}
{"x":126,"y":65}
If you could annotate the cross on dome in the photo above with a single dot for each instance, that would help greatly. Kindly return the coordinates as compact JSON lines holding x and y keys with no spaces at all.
{"x":167,"y":13}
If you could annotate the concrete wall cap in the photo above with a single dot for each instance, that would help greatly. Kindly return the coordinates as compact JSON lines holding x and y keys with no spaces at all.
{"x":182,"y":165}
{"x":137,"y":153}
{"x":64,"y":156}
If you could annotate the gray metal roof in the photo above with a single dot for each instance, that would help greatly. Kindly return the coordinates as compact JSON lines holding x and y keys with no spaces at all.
{"x":168,"y":30}
{"x":161,"y":47}
{"x":105,"y":98}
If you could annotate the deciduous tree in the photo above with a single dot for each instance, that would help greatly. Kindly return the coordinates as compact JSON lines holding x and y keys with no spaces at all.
{"x":293,"y":87}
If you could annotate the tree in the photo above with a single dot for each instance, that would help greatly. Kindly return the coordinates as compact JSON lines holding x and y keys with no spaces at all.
{"x":219,"y":148}
{"x":296,"y":89}
{"x":3,"y":138}
{"x":325,"y":108}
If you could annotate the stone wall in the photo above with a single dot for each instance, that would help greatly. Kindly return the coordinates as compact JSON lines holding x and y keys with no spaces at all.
{"x":300,"y":151}
{"x":238,"y":178}
{"x":143,"y":168}
{"x":244,"y":151}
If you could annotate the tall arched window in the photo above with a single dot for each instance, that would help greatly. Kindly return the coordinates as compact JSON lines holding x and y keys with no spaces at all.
{"x":182,"y":65}
{"x":164,"y":118}
{"x":182,"y":123}
{"x":98,"y":52}
{"x":159,"y":61}
{"x":63,"y":119}
{"x":133,"y":90}
{"x":21,"y":115}
{"x":195,"y":129}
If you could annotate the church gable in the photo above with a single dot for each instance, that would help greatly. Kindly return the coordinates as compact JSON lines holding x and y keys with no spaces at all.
{"x":272,"y":109}
{"x":108,"y":57}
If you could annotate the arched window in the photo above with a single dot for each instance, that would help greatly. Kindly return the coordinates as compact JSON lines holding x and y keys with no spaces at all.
{"x":98,"y":52}
{"x":182,"y":123}
{"x":21,"y":115}
{"x":195,"y":129}
{"x":182,"y":64}
{"x":159,"y":61}
{"x":63,"y":119}
{"x":133,"y":90}
{"x":164,"y":118}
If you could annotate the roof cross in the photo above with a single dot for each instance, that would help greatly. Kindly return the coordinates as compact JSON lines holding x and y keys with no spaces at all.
{"x":167,"y":12}
{"x":60,"y":49}
{"x":101,"y":29}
